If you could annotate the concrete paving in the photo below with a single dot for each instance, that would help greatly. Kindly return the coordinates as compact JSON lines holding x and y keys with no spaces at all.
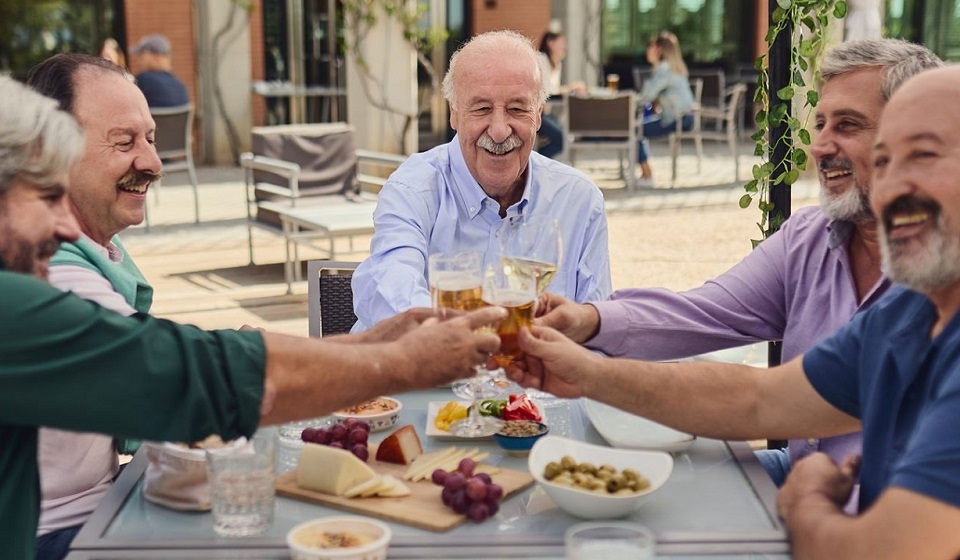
{"x":670,"y":237}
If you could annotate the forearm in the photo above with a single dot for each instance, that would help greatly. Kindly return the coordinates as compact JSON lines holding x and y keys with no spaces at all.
{"x":707,"y":399}
{"x":308,"y":379}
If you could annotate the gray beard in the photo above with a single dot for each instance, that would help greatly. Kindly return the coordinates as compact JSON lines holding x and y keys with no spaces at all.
{"x":850,"y":206}
{"x":933,"y":266}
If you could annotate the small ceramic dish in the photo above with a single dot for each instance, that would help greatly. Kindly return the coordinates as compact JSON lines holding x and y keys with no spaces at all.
{"x":381,"y":413}
{"x":339,"y":538}
{"x":514,"y":436}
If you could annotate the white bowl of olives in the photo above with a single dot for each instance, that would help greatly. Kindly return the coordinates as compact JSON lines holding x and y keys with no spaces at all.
{"x":595,"y":482}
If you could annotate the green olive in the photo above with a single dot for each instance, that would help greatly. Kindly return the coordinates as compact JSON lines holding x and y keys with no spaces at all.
{"x":552,"y":470}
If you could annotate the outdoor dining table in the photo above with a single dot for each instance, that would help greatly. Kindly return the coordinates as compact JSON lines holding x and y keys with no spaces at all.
{"x":718,"y":503}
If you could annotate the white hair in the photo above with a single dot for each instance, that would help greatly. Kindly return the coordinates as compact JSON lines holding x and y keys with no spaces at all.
{"x":503,"y":43}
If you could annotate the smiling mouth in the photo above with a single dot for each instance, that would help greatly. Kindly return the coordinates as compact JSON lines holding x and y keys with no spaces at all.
{"x":136,"y":189}
{"x":836,"y":173}
{"x":909,"y":220}
{"x":908,"y":215}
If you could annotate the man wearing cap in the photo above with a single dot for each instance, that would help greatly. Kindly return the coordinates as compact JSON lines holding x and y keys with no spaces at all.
{"x":159,"y":85}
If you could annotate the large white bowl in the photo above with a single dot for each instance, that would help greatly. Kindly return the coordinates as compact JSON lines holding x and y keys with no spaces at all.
{"x":622,"y":429}
{"x":655,"y":466}
{"x":375,"y":550}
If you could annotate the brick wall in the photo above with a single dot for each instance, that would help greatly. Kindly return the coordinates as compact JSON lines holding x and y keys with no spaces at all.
{"x":174,"y":19}
{"x":529,"y":17}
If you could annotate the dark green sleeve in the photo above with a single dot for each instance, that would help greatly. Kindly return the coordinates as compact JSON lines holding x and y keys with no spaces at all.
{"x":68,"y":363}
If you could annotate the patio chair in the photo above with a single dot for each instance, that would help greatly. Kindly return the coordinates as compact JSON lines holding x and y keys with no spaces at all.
{"x":603,"y":123}
{"x":713,"y":98}
{"x":312,"y":166}
{"x":728,"y":133}
{"x":330,"y":297}
{"x":174,"y":143}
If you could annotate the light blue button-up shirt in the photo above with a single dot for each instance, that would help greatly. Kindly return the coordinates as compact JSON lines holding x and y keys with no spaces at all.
{"x":432,"y":204}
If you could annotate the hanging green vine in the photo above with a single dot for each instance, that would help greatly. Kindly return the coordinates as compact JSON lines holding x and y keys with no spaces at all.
{"x":360,"y":17}
{"x":808,"y":20}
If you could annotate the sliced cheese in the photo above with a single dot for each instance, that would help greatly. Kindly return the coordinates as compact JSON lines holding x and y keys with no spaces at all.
{"x":363,"y":487}
{"x":486,"y":468}
{"x":385,"y":483}
{"x":397,"y":489}
{"x":331,"y":470}
{"x":427,"y":463}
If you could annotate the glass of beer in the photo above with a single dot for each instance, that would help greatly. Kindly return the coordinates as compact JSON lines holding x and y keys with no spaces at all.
{"x":455,"y":284}
{"x":515,"y":289}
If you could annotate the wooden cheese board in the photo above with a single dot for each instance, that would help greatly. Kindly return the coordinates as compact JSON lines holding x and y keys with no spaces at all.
{"x":422,"y":509}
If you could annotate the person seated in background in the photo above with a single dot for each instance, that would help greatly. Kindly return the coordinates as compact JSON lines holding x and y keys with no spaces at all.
{"x":802,"y":283}
{"x":155,"y":79}
{"x":110,"y":50}
{"x":456,"y":196}
{"x":108,"y":189}
{"x":553,"y":49}
{"x":668,"y":89}
{"x":893,"y":371}
{"x":71,"y":364}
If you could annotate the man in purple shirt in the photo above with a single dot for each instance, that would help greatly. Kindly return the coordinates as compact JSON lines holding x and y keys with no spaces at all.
{"x":802,"y":283}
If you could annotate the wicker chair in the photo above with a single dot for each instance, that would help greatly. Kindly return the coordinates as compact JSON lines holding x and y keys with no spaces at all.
{"x":330,"y":297}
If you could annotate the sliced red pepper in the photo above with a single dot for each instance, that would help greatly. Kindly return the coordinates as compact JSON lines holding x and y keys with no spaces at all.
{"x":521,"y":407}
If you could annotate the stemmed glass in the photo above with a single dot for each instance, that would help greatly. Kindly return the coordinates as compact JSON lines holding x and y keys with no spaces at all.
{"x":532,"y":245}
{"x":455,"y":283}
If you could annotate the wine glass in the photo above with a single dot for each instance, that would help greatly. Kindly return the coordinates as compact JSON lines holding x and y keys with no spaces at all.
{"x":455,"y":283}
{"x":533,"y":245}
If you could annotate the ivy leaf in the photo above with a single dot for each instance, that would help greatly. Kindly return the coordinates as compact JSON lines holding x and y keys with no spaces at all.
{"x":785,"y":4}
{"x":779,"y":112}
{"x":809,"y":23}
{"x":778,"y":14}
{"x":791,"y":176}
{"x":804,"y":136}
{"x":751,"y":187}
{"x":761,"y":118}
{"x":806,"y":48}
{"x":757,"y":172}
{"x":840,"y":10}
{"x":745,"y":201}
{"x":799,"y":158}
{"x":802,"y":62}
{"x":785,"y":93}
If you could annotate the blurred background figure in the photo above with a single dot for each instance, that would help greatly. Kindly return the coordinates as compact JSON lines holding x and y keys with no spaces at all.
{"x":668,"y":89}
{"x":553,"y":49}
{"x":110,"y":50}
{"x":159,"y":85}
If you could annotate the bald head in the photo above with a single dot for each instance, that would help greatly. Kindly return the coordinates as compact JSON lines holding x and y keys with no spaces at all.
{"x":916,"y":196}
{"x":484,"y":53}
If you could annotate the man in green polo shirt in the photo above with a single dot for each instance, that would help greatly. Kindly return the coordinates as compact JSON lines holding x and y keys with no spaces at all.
{"x":71,"y":364}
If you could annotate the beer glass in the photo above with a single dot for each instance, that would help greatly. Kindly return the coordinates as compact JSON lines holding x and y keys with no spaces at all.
{"x":455,"y":283}
{"x":515,"y":289}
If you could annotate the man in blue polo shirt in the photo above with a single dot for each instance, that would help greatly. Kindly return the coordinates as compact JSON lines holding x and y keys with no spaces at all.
{"x":893,"y":372}
{"x":156,"y":80}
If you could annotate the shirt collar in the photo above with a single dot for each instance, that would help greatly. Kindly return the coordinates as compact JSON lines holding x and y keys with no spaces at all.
{"x":840,"y":231}
{"x":474,"y":199}
{"x":110,"y":251}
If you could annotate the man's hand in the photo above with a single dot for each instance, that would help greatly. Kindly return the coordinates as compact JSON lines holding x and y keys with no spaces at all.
{"x":579,"y":322}
{"x":817,"y":476}
{"x":441,"y":352}
{"x":552,"y":363}
{"x":400,"y":324}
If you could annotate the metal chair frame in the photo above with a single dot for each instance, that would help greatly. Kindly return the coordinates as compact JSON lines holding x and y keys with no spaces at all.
{"x":729,"y":132}
{"x":174,"y":144}
{"x":603,"y":123}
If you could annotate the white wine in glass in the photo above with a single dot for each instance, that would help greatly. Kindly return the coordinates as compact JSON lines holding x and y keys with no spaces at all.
{"x":534,"y":244}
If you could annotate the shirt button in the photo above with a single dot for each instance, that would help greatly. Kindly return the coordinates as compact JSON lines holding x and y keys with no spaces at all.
{"x":473,"y":209}
{"x":812,"y":441}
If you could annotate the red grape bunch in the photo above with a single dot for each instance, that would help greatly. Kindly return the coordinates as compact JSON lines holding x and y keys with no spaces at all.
{"x":465,"y":492}
{"x":351,"y":434}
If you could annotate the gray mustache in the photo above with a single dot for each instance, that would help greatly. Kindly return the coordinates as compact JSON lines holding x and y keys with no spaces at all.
{"x":499,"y":148}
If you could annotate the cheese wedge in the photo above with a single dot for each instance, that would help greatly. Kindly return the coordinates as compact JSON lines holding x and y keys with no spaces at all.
{"x":363,"y":487}
{"x":331,"y":470}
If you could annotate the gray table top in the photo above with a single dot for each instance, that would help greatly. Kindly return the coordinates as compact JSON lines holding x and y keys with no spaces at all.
{"x":718,"y":501}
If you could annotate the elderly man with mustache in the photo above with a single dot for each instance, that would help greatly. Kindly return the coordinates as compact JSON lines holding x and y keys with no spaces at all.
{"x":456,"y":196}
{"x":109,"y":189}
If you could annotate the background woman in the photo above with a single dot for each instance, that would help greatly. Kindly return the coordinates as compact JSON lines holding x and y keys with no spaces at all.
{"x":553,"y":49}
{"x":668,"y":88}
